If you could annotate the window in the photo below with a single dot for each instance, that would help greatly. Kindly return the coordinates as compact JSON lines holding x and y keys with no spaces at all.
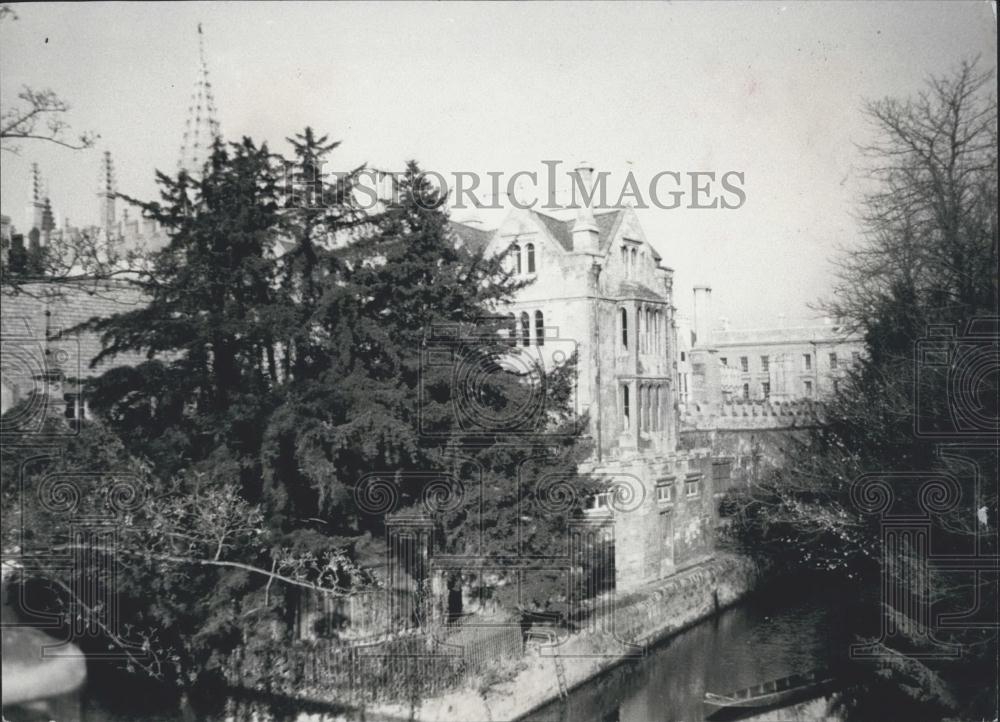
{"x":807,"y":361}
{"x":833,"y":360}
{"x":624,"y":315}
{"x":525,"y":329}
{"x":516,"y":250}
{"x":765,"y":364}
{"x":656,"y":408}
{"x":724,"y":361}
{"x":744,"y":364}
{"x":683,"y":356}
{"x":601,"y":501}
{"x":638,"y":328}
{"x":746,"y":392}
{"x":649,"y":330}
{"x":836,"y":386}
{"x":809,"y":388}
{"x":626,"y":408}
{"x":665,"y":491}
{"x":539,"y":329}
{"x":765,"y":389}
{"x":692,"y":486}
{"x":73,"y":410}
{"x":530,"y":248}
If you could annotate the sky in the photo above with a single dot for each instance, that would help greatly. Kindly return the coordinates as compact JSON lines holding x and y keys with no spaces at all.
{"x":772,"y":90}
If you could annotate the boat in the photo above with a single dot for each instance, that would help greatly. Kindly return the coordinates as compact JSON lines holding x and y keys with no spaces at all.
{"x":770,"y":695}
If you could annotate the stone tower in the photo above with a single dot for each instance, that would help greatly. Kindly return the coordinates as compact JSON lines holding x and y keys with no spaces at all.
{"x":202,"y":127}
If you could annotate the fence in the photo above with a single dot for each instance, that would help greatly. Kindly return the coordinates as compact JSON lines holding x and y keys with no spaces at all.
{"x":417,"y":665}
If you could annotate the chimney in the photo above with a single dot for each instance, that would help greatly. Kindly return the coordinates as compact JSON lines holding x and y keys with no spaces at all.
{"x":585,"y":237}
{"x":703,"y":316}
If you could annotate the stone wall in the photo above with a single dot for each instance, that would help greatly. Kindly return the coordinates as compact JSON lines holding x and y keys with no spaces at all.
{"x":623,"y":631}
{"x":32,"y":320}
{"x":749,"y":451}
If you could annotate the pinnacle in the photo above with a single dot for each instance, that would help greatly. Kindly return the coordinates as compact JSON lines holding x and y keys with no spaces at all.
{"x":202,"y":127}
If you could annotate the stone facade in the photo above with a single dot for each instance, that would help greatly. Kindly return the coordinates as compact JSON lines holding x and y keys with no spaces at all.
{"x":37,"y":357}
{"x":597,"y":287}
{"x":783,"y":363}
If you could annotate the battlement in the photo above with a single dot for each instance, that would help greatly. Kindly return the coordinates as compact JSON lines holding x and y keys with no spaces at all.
{"x":751,"y":415}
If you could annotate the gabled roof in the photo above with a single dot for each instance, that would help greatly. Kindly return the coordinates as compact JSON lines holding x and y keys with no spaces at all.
{"x":608,"y":223}
{"x":471,"y":237}
{"x":562,"y":231}
{"x":631,"y":289}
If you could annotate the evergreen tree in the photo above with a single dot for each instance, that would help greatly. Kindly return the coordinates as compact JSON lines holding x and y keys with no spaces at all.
{"x":287,"y":338}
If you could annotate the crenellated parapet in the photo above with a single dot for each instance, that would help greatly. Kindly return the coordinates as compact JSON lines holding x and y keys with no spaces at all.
{"x":751,"y":415}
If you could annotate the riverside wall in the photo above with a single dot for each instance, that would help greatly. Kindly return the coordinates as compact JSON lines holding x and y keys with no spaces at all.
{"x":624,"y":629}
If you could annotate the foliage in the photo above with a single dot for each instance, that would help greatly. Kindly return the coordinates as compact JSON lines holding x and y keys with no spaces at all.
{"x":928,"y":259}
{"x":286,"y":336}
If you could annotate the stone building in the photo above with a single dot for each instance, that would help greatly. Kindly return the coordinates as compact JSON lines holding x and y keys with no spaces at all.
{"x":597,"y":287}
{"x":785,"y":362}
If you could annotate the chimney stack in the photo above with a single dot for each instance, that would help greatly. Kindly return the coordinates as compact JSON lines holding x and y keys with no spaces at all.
{"x":703,"y":316}
{"x":585,"y":237}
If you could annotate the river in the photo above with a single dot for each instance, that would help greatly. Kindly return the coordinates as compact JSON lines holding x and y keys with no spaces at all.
{"x":775,"y":633}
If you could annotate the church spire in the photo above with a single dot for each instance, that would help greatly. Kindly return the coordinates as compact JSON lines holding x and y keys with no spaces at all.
{"x":202,"y":127}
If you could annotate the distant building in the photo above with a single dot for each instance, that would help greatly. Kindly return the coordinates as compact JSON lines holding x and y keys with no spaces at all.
{"x":782,"y":363}
{"x":788,"y":363}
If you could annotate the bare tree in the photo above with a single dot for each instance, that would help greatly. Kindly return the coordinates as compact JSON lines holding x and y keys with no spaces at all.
{"x":930,"y":218}
{"x":39,"y":114}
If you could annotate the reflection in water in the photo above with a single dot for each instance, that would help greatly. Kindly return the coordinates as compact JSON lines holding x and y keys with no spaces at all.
{"x":773,"y":635}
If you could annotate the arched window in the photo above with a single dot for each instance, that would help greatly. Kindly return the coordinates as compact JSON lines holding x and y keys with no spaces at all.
{"x":647,"y":408}
{"x":624,"y":315}
{"x":625,"y":261}
{"x":634,"y":254}
{"x":539,"y":328}
{"x":525,"y":329}
{"x":638,"y":329}
{"x":516,"y":250}
{"x":530,"y":248}
{"x":626,"y":407}
{"x":656,"y":409}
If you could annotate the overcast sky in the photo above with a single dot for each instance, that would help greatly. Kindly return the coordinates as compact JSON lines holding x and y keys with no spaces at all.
{"x":770,"y":89}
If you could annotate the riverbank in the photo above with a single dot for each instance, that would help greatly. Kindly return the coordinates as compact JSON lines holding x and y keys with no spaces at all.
{"x":634,"y":622}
